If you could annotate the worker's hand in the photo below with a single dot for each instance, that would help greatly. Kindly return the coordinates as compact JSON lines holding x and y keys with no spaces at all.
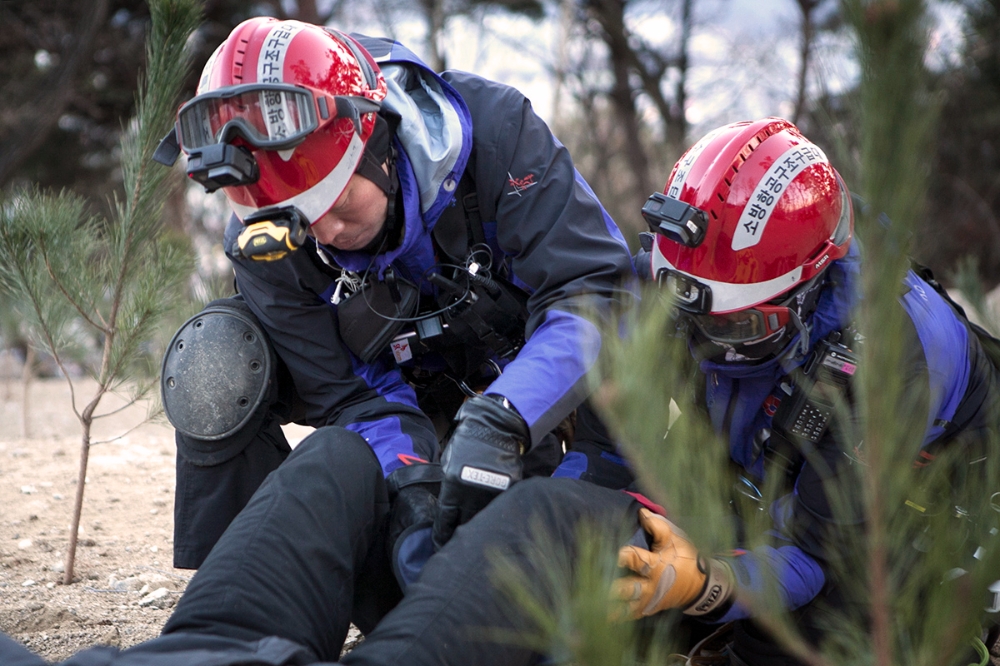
{"x":672,"y":574}
{"x":482,"y":459}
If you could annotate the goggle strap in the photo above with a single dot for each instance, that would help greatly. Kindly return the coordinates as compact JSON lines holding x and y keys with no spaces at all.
{"x":168,"y":150}
{"x":345,"y":109}
{"x":353,"y":107}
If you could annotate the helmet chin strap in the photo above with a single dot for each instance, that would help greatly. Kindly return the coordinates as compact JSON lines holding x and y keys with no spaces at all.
{"x":390,"y":234}
{"x":378,"y":164}
{"x":795,"y":352}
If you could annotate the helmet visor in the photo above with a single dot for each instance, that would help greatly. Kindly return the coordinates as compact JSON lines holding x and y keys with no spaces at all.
{"x":269,"y":116}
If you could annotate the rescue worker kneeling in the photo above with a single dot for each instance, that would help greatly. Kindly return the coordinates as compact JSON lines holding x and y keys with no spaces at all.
{"x":412,"y":252}
{"x":753,"y":244}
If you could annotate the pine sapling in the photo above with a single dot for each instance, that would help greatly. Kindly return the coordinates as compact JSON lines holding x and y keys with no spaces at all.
{"x":105,"y":283}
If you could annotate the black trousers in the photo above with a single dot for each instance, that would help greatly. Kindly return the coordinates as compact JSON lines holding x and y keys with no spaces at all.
{"x":305,"y":558}
{"x":208,"y":498}
{"x":284,"y":567}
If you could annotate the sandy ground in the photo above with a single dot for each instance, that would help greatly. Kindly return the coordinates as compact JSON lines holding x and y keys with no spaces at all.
{"x":125,"y":585}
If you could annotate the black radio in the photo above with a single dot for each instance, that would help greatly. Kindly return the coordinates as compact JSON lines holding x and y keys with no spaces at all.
{"x":823,"y":384}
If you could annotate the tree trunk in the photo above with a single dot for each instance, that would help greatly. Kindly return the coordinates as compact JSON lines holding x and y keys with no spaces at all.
{"x":611,"y":16}
{"x":81,"y":482}
{"x":677,"y":124}
{"x":806,"y":7}
{"x":7,"y":371}
{"x":434,"y":17}
{"x":27,"y":374}
{"x":562,"y":56}
{"x":308,"y":12}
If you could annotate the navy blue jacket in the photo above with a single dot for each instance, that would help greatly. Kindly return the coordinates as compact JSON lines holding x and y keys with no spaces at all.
{"x":540,"y":216}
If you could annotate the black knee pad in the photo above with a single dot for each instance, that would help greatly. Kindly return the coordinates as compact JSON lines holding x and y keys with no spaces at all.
{"x":217,"y":379}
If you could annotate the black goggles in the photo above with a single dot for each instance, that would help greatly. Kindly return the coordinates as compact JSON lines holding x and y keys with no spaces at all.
{"x":743,"y":326}
{"x":272,"y":116}
{"x":694,"y":299}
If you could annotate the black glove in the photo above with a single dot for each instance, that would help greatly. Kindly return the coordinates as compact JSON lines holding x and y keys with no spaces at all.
{"x":413,"y":493}
{"x":482,"y":459}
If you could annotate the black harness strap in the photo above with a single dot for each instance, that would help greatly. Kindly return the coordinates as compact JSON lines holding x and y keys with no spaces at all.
{"x":473,"y":221}
{"x":460,"y":225}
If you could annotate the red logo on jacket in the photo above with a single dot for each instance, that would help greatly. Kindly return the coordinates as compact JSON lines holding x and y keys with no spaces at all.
{"x":519,"y":185}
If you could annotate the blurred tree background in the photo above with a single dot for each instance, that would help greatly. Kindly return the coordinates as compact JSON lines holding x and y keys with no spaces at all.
{"x":625,"y":84}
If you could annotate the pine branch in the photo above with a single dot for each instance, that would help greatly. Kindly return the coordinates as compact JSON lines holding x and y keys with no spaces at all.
{"x":53,"y":348}
{"x":87,"y":316}
{"x":117,"y":437}
{"x":117,"y":410}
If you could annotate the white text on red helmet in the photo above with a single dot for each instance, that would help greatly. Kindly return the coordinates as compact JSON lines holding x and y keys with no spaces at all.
{"x":271,"y":62}
{"x":769,"y":189}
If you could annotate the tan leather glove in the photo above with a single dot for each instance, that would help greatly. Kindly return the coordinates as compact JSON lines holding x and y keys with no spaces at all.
{"x":672,"y":574}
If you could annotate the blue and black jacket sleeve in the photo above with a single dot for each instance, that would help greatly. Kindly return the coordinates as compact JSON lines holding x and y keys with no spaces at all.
{"x":559,"y":242}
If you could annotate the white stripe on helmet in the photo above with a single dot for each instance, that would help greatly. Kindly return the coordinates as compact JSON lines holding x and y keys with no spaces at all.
{"x":731,"y":296}
{"x":271,"y":61}
{"x":769,"y":190}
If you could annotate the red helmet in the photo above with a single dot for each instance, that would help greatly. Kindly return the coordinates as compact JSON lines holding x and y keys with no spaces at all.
{"x":301,"y":98}
{"x":750,"y":213}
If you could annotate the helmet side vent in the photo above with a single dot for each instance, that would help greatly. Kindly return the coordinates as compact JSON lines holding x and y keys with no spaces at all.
{"x":238,"y":63}
{"x":734,"y":168}
{"x":744,"y":154}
